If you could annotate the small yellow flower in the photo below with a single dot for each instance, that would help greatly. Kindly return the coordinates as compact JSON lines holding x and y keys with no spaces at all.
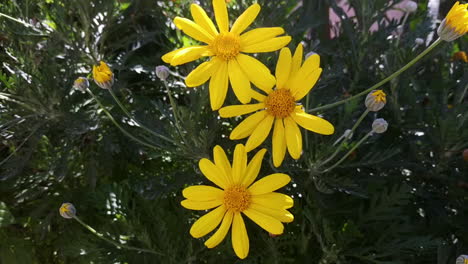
{"x":238,"y":194}
{"x":103,"y":75}
{"x":81,"y":84}
{"x":278,"y":108}
{"x":375,"y":100}
{"x":67,"y":210}
{"x":455,"y":24}
{"x":227,"y":48}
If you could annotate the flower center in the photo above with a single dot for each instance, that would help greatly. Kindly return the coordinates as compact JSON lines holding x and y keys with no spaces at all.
{"x":236,"y":198}
{"x":226,"y":46}
{"x":379,"y":96}
{"x":280,"y":103}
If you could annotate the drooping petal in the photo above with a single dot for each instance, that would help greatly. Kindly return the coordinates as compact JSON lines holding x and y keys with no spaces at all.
{"x":239,"y":163}
{"x":293,"y":138}
{"x":281,"y":215}
{"x":270,"y":224}
{"x":212,"y":173}
{"x":202,"y":73}
{"x":259,"y":35}
{"x":219,"y":86}
{"x":269,"y":183}
{"x":260,"y":133}
{"x":222,"y":162}
{"x":200,"y":205}
{"x":283,"y":67}
{"x":239,"y":81}
{"x":202,"y":193}
{"x":244,"y":20}
{"x":304,"y":83}
{"x":221,"y":15}
{"x":208,"y":222}
{"x":267,"y":45}
{"x":257,"y":73}
{"x":253,"y":168}
{"x":201,"y":18}
{"x":238,"y":110}
{"x":246,"y":127}
{"x":313,"y":123}
{"x":273,"y":200}
{"x":184,"y":55}
{"x":193,"y":30}
{"x":240,"y":239}
{"x":297,"y":60}
{"x":220,"y":234}
{"x":278,"y":143}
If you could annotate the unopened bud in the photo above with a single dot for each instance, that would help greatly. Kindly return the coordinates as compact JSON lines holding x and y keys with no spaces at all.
{"x":419,"y":41}
{"x":81,"y":84}
{"x":410,"y":7}
{"x":379,"y":126}
{"x":67,"y":210}
{"x":162,"y":72}
{"x":375,"y":100}
{"x":462,"y":259}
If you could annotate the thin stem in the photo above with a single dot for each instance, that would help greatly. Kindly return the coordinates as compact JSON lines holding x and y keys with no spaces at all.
{"x":384,"y":81}
{"x":349,"y":152}
{"x":118,"y":125}
{"x":116,"y":244}
{"x":136,"y":121}
{"x":21,"y":145}
{"x":21,"y":22}
{"x":174,"y":111}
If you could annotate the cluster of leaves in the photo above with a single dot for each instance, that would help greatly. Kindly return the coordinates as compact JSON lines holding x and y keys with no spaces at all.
{"x":398,"y":199}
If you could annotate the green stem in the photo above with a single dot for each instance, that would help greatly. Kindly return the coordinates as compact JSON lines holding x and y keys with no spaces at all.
{"x":384,"y":81}
{"x":21,"y":145}
{"x":349,"y":152}
{"x":174,"y":111}
{"x":116,"y":244}
{"x":136,"y":121}
{"x":19,"y":21}
{"x":118,"y":125}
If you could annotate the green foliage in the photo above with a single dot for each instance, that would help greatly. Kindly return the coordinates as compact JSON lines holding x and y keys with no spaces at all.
{"x":399,"y":198}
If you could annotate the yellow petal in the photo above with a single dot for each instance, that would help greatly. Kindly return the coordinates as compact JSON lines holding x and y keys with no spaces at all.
{"x":267,"y":45}
{"x":238,"y":110}
{"x":184,"y":55}
{"x":240,"y":239}
{"x":220,"y":234}
{"x":266,"y":222}
{"x":222,"y":162}
{"x":259,"y":35}
{"x":200,"y":205}
{"x":201,"y":18}
{"x":297,"y":60}
{"x":212,"y":172}
{"x":257,"y":73}
{"x":293,"y":138}
{"x":278,"y":143}
{"x":193,"y":30}
{"x":283,"y":67}
{"x":244,"y":20}
{"x":246,"y":127}
{"x":313,"y":123}
{"x":239,"y":82}
{"x":219,"y":86}
{"x":269,"y":183}
{"x":202,"y":193}
{"x":202,"y":73}
{"x":273,"y":200}
{"x":239,"y":163}
{"x":281,"y":215}
{"x":302,"y":84}
{"x":257,"y":96}
{"x":253,"y":168}
{"x":208,"y":222}
{"x":311,"y":63}
{"x":221,"y":15}
{"x":260,"y":133}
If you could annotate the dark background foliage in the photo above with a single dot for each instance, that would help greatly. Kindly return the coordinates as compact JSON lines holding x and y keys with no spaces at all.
{"x":399,"y":198}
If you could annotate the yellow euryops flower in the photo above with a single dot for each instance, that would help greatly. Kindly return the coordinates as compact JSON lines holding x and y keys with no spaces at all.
{"x":227,"y":48}
{"x":375,"y":100}
{"x":455,"y":24}
{"x":67,"y":210}
{"x":103,"y":75}
{"x":238,"y":193}
{"x":278,"y":108}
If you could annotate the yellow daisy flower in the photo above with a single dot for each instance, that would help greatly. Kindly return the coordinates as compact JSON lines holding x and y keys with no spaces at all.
{"x":227,"y":48}
{"x":278,"y":108}
{"x":238,"y":194}
{"x":103,"y":75}
{"x":455,"y":24}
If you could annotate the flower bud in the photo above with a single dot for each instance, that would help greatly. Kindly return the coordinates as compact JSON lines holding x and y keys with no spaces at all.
{"x":67,"y":210}
{"x":375,"y":100}
{"x":419,"y":41}
{"x":454,"y":24}
{"x":81,"y":84}
{"x":460,"y":56}
{"x":410,"y":7}
{"x":462,"y":259}
{"x":379,"y":126}
{"x":103,"y":75}
{"x":162,"y":72}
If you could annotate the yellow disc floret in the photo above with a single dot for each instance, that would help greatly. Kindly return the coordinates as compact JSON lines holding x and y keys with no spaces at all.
{"x":280,"y":103}
{"x":236,"y":198}
{"x":226,"y":46}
